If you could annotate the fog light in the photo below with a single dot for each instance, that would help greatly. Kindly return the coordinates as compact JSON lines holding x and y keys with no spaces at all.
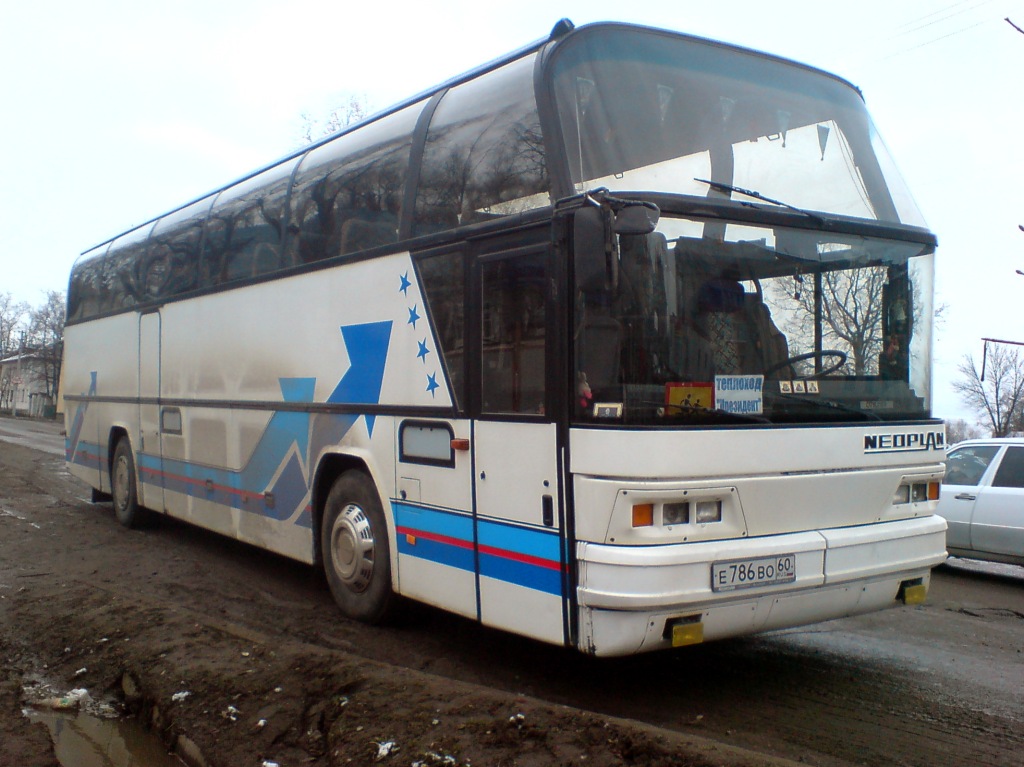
{"x":912,"y":592}
{"x":902,"y":495}
{"x":676,"y":513}
{"x":684,"y":631}
{"x":709,"y":511}
{"x":643,"y":515}
{"x":919,"y":493}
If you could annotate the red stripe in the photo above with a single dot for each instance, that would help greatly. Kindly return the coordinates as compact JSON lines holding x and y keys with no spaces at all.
{"x":201,"y":484}
{"x":513,"y":556}
{"x":447,"y":540}
{"x":516,"y":556}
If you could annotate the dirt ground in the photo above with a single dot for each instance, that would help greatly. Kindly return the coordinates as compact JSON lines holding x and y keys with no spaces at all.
{"x":213,"y":645}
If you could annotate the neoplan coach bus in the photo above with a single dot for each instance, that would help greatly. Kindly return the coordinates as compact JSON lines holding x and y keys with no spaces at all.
{"x":621,"y":341}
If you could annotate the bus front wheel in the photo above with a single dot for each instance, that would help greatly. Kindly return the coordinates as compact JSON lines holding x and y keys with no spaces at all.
{"x":356,"y":554}
{"x":123,"y":488}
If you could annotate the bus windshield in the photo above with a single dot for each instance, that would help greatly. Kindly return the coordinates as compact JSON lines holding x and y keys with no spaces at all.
{"x":642,"y":110}
{"x":754,"y":324}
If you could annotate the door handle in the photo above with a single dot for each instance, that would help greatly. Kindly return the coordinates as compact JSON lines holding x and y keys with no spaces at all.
{"x":965,"y":497}
{"x":548,"y":511}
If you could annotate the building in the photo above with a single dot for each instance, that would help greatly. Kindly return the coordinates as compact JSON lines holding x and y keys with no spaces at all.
{"x":23,"y":384}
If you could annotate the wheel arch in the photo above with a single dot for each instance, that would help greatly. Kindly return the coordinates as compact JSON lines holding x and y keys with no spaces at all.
{"x":329,"y":468}
{"x":117,"y":433}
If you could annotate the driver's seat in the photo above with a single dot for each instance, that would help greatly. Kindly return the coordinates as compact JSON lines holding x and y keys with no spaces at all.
{"x":739,"y":330}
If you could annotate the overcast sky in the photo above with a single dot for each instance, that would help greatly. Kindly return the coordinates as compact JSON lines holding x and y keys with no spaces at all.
{"x":115,"y":111}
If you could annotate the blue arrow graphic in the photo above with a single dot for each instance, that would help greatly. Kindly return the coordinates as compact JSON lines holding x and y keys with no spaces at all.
{"x":368,"y":351}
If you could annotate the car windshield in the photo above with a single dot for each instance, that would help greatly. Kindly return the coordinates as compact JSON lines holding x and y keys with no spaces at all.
{"x":709,"y":322}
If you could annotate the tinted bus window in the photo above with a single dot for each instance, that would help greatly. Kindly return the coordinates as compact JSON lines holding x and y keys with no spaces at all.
{"x":348,"y":193}
{"x":444,"y":285}
{"x":512,"y":328}
{"x":484,"y":155}
{"x":172,"y":261}
{"x":123,"y":282}
{"x":245,"y":235}
{"x":85,"y":291}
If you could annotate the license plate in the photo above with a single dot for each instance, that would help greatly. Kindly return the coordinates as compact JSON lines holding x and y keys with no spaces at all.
{"x":747,"y":573}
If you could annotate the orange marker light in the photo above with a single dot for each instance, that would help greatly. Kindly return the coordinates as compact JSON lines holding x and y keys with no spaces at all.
{"x":643,"y":515}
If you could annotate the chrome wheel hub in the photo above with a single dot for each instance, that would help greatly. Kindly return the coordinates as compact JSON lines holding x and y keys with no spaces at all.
{"x":352,"y":548}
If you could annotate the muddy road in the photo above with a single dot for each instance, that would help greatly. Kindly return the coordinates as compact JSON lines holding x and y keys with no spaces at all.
{"x":273,"y":673}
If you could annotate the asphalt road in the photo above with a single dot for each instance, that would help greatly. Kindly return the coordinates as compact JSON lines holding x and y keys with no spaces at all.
{"x":45,"y":436}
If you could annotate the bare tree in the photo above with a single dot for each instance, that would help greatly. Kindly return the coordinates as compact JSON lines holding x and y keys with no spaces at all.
{"x":12,"y":330}
{"x":958,"y":430}
{"x":12,"y":315}
{"x":313,"y":129}
{"x":999,"y":398}
{"x":46,"y":338}
{"x":851,"y":308}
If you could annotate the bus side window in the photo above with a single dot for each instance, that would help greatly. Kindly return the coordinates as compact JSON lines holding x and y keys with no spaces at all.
{"x":245,"y":236}
{"x":444,"y":285}
{"x":512,"y":335}
{"x":347,"y":193}
{"x":479,"y":163}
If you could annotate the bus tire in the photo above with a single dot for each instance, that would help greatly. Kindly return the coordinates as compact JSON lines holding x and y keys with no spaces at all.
{"x":124,"y":490}
{"x":356,"y":551}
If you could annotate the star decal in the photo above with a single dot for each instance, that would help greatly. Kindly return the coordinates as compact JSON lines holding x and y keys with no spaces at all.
{"x":424,"y":351}
{"x":432,"y":383}
{"x":405,"y":284}
{"x":413,"y":317}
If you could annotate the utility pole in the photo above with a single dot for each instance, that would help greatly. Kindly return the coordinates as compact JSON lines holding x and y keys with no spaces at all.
{"x":17,"y":376}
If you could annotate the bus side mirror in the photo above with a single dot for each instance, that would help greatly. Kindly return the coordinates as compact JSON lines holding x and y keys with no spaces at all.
{"x":636,"y":218}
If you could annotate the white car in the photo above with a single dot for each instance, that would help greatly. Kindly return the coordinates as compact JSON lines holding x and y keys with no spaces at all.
{"x":982,"y":500}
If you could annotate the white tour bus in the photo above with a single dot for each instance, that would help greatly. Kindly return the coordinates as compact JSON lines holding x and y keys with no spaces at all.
{"x":621,"y":342}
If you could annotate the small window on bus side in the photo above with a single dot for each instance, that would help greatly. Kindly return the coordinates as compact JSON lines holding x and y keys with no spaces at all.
{"x":348,"y":192}
{"x":484,"y":155}
{"x":444,"y":286}
{"x":512,"y":327}
{"x":245,"y":234}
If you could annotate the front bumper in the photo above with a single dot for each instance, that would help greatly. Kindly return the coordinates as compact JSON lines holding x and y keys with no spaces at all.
{"x":630,"y":596}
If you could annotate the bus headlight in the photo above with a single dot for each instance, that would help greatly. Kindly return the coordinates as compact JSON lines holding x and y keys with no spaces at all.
{"x":687,"y":509}
{"x":708,"y":511}
{"x":676,"y":513}
{"x":901,"y":496}
{"x":916,"y":492}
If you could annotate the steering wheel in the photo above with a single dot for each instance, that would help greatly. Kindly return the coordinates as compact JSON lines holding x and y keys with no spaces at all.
{"x":840,"y":361}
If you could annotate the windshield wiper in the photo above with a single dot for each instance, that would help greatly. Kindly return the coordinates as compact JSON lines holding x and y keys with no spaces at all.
{"x":827,"y":404}
{"x":722,"y":187}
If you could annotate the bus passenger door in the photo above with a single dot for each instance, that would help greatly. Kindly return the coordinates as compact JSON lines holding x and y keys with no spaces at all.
{"x":147,"y":447}
{"x":517,"y":505}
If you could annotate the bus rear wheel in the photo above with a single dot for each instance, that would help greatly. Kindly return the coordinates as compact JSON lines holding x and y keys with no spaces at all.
{"x":355,"y":548}
{"x":123,"y":488}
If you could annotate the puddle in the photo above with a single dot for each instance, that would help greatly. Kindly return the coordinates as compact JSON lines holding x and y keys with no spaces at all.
{"x":83,"y":740}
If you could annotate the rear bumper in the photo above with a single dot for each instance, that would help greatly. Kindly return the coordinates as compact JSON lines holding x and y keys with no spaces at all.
{"x":628,"y":594}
